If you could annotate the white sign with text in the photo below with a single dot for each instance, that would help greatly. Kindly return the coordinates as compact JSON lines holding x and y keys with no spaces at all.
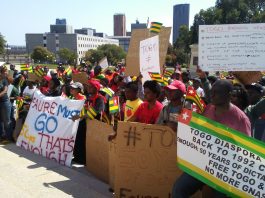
{"x":149,"y":57}
{"x":232,"y":47}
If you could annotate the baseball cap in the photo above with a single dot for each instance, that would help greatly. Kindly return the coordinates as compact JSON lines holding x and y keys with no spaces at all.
{"x":256,"y":86}
{"x":94,"y":83}
{"x":77,"y":85}
{"x":177,"y":85}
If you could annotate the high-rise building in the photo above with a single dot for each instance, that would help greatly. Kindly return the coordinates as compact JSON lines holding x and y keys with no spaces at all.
{"x":119,"y":24}
{"x":181,"y":13}
{"x":61,"y":27}
{"x":138,"y":25}
{"x":60,"y":21}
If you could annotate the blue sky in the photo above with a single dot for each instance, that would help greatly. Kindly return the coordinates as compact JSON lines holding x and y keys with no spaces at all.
{"x":34,"y":16}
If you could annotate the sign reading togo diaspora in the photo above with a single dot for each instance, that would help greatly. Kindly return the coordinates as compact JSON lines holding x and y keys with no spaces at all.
{"x":232,"y":47}
{"x":48,"y":129}
{"x":221,"y":157}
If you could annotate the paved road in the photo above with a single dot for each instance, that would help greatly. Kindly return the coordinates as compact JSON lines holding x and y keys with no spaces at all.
{"x":24,"y":174}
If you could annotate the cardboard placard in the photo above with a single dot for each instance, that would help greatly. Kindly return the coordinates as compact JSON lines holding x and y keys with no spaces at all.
{"x":145,"y":160}
{"x":133,"y":57}
{"x":97,"y":149}
{"x":80,"y":77}
{"x":33,"y":77}
{"x":249,"y":77}
{"x":112,"y":162}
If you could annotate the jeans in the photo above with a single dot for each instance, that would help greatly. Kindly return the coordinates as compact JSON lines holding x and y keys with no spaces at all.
{"x":5,"y":111}
{"x":186,"y":186}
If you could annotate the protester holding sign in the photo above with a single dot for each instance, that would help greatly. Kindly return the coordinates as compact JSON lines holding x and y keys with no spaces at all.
{"x":222,"y":111}
{"x":54,"y":87}
{"x":76,"y":90}
{"x":148,"y":112}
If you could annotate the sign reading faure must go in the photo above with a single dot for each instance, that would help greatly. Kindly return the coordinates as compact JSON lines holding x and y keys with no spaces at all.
{"x":221,"y":157}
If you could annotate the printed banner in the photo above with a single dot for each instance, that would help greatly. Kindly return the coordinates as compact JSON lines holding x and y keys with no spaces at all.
{"x":221,"y":157}
{"x":149,"y":57}
{"x":232,"y":47}
{"x":48,"y":129}
{"x":145,"y":160}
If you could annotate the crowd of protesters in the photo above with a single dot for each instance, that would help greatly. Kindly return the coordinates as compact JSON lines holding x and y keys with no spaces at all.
{"x":238,"y":106}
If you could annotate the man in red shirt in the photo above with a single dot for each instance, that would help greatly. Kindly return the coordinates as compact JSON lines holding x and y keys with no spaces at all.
{"x":148,"y":112}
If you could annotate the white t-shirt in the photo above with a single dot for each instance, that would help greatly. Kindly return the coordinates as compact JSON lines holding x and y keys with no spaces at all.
{"x":200,"y":92}
{"x":28,"y":92}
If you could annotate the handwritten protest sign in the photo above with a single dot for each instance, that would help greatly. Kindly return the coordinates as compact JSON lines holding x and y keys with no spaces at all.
{"x":97,"y":149}
{"x":133,"y":57}
{"x":80,"y":77}
{"x":48,"y":129}
{"x":221,"y":157}
{"x":145,"y":160}
{"x":149,"y":57}
{"x":234,"y":47}
{"x":103,"y":63}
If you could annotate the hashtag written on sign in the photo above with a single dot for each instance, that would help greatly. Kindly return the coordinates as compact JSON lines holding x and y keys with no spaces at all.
{"x":132,"y":136}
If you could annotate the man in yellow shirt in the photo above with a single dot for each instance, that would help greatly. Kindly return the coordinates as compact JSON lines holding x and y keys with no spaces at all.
{"x":132,"y":100}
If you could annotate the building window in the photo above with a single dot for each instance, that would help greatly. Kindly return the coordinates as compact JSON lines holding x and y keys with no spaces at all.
{"x":44,"y":45}
{"x":44,"y":37}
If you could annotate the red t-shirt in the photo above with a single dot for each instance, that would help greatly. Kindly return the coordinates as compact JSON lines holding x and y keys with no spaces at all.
{"x":234,"y":118}
{"x":148,"y":116}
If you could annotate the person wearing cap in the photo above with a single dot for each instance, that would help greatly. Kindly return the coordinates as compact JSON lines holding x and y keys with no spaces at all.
{"x":256,"y":110}
{"x":169,"y":114}
{"x":94,"y":100}
{"x":148,"y":112}
{"x":76,"y":90}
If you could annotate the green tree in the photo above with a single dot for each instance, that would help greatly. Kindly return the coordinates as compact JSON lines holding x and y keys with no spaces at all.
{"x":67,"y":56}
{"x":93,"y":56}
{"x":41,"y":54}
{"x":2,"y":44}
{"x":113,"y":53}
